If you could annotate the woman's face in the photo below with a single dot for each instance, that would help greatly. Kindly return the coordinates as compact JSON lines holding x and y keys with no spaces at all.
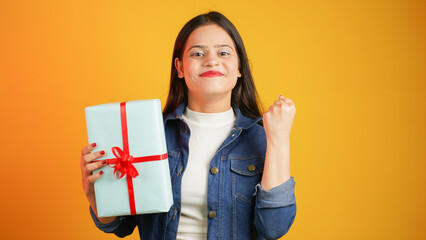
{"x":209,"y":63}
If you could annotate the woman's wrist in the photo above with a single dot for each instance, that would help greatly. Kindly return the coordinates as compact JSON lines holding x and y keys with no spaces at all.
{"x":278,"y":141}
{"x":106,"y":220}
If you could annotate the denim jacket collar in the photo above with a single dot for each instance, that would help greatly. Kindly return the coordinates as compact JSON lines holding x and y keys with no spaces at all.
{"x":242,"y":122}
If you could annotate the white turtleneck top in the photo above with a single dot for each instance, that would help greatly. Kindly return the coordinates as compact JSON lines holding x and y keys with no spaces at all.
{"x":207,"y":132}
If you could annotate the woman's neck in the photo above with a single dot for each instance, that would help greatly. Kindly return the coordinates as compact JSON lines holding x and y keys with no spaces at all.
{"x":207,"y":104}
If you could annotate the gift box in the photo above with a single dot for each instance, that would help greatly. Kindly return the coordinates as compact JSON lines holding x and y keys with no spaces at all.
{"x":137,"y":177}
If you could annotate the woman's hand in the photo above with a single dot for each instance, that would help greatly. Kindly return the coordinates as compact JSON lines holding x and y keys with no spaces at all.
{"x":87,"y":166}
{"x":88,"y":179}
{"x":278,"y":120}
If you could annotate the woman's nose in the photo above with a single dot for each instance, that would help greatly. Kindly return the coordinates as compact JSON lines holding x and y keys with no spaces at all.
{"x":211,"y":60}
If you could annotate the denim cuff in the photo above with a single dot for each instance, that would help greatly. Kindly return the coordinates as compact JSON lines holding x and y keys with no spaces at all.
{"x":279,"y":196}
{"x":109,"y":227}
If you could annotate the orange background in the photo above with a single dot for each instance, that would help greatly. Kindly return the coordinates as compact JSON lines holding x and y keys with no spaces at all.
{"x":354,"y":69}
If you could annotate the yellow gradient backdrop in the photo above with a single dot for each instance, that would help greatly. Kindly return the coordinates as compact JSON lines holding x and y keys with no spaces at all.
{"x":355,"y":70}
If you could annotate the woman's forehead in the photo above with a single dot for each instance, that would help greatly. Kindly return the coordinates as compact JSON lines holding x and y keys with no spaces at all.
{"x":209,"y":36}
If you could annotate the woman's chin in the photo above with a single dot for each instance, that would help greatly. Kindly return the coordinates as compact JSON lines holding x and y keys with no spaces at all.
{"x":213,"y":93}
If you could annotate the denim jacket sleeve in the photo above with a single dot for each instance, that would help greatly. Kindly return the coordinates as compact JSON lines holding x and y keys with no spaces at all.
{"x":275,"y":209}
{"x":122,"y":226}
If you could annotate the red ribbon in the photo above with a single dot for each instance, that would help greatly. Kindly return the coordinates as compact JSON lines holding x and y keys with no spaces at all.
{"x":123,"y":164}
{"x":124,"y":161}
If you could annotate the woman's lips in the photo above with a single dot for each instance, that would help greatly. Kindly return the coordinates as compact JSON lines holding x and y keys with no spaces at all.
{"x":211,"y":74}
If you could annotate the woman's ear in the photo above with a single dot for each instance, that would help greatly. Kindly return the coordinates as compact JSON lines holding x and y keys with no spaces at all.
{"x":179,"y":67}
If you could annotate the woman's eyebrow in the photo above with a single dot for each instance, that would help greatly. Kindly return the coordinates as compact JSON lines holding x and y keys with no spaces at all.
{"x":216,"y":46}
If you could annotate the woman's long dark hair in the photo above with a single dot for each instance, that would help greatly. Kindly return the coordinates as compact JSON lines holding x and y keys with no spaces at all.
{"x":244,"y":95}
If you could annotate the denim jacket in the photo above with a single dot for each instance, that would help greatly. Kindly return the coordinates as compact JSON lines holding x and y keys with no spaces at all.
{"x":238,"y":207}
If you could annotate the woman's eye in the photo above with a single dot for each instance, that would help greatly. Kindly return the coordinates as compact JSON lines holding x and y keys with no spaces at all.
{"x":224,"y":53}
{"x":197,"y":54}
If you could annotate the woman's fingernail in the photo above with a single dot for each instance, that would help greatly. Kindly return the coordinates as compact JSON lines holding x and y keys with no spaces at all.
{"x":102,"y":152}
{"x":104,"y":161}
{"x":93,"y":144}
{"x":101,"y":172}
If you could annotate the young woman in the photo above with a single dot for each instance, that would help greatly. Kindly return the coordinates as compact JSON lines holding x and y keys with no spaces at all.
{"x":230,"y":175}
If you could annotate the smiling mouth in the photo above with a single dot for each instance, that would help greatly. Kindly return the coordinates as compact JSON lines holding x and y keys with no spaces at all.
{"x":212,"y":74}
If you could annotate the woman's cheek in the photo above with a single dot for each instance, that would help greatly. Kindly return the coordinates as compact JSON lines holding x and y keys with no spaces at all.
{"x":233,"y":66}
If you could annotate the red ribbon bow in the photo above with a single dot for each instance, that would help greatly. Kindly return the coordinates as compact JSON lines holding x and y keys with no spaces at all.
{"x":123,"y":164}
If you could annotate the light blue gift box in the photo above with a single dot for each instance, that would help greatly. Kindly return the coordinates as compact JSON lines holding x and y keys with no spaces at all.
{"x":152,"y":187}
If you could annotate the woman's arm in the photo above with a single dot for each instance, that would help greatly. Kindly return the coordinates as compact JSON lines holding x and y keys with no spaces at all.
{"x":277,"y":122}
{"x":277,"y":164}
{"x":88,"y":179}
{"x":275,"y":208}
{"x":120,"y":226}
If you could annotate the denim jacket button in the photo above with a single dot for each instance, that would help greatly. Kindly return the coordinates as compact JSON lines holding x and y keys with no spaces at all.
{"x":214,"y":170}
{"x":251,"y":167}
{"x":212,"y":214}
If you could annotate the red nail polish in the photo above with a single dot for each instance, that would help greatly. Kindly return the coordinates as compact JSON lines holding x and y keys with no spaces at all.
{"x":104,"y":161}
{"x":101,"y":172}
{"x":102,"y":152}
{"x":93,"y":144}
